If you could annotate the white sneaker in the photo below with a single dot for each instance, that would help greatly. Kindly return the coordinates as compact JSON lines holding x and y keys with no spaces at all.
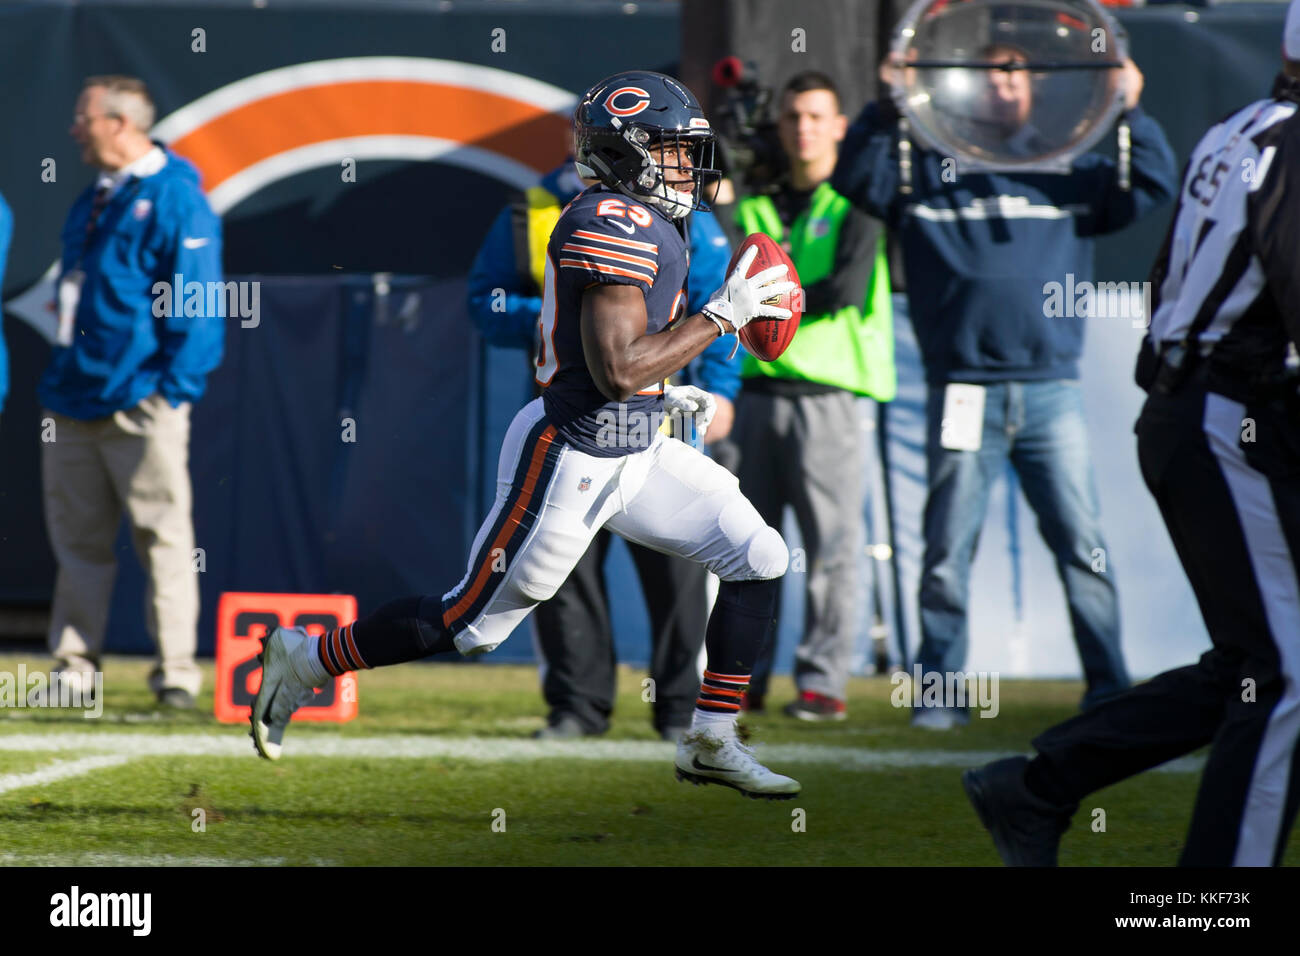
{"x":939,"y":718}
{"x":704,"y":757}
{"x":281,"y":693}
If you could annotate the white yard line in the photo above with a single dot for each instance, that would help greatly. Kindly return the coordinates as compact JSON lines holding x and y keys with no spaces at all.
{"x":490,"y":750}
{"x":127,"y":859}
{"x":61,"y":770}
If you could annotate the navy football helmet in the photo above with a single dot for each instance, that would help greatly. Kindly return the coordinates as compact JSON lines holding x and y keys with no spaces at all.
{"x":622,"y":119}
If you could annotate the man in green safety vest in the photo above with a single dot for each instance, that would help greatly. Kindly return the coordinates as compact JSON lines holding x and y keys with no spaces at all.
{"x":799,"y":421}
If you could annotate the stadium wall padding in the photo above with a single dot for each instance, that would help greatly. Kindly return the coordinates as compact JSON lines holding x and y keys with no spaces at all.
{"x":282,"y":502}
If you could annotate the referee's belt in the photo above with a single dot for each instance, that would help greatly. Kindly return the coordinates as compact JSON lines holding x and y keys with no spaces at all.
{"x":1177,"y":354}
{"x":1167,"y":367}
{"x":1163,"y":367}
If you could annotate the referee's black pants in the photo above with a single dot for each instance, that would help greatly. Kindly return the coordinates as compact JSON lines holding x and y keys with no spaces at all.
{"x":1232,"y":507}
{"x":577,"y":641}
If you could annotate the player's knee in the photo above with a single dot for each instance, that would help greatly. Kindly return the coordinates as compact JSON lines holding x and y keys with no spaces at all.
{"x":767,"y":555}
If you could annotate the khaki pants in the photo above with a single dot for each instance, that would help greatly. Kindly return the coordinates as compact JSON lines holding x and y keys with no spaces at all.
{"x":135,"y":460}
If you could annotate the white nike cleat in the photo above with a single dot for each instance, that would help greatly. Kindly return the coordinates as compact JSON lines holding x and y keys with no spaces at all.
{"x":281,"y":693}
{"x":703,"y":757}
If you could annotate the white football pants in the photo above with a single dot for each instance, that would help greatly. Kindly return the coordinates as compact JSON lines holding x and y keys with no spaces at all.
{"x":552,"y":499}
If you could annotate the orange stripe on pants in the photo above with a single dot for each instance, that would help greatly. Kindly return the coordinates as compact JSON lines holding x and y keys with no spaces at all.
{"x":516,"y":516}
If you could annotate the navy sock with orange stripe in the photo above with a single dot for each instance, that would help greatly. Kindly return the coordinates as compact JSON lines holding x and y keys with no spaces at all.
{"x":337,"y":652}
{"x":403,"y":630}
{"x":738,"y":626}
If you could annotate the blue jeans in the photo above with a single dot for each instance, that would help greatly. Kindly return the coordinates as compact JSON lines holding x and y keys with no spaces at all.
{"x":1040,"y":427}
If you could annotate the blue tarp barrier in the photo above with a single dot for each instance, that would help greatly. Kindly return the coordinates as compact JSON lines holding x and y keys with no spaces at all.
{"x":333,"y":451}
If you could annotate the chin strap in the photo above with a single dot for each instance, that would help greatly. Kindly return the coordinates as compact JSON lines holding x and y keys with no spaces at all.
{"x":669,"y":201}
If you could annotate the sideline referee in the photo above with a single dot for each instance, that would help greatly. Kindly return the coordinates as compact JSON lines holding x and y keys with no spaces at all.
{"x":1219,"y":447}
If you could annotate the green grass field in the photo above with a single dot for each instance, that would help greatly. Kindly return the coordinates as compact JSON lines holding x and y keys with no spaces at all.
{"x":441,"y":752}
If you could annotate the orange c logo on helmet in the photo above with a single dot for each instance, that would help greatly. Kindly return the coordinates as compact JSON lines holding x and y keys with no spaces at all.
{"x":642,"y":101}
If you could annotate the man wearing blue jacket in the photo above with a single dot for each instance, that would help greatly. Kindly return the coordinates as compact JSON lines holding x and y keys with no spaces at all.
{"x":126,"y":367}
{"x":573,"y":628}
{"x":978,"y":250}
{"x":6,"y":233}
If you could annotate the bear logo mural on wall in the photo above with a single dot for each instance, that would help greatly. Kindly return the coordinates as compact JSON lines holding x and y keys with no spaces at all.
{"x":269,"y":126}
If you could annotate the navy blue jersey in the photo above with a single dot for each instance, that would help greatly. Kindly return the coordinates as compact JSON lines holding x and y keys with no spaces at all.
{"x":604,"y":237}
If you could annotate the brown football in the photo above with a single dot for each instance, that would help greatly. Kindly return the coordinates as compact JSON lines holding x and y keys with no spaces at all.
{"x":766,"y":339}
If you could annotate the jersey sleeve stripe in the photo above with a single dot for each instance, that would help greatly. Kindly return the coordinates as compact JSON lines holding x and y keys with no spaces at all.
{"x":620,"y":257}
{"x":615,"y":241}
{"x":607,"y":270}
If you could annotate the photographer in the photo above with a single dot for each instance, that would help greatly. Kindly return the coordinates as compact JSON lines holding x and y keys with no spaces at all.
{"x":978,"y":249}
{"x":799,"y":420}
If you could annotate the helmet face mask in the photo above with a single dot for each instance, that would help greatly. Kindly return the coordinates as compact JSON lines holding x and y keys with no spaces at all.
{"x":644,"y":135}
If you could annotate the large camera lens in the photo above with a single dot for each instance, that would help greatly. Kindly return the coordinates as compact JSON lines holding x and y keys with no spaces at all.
{"x":998,"y":85}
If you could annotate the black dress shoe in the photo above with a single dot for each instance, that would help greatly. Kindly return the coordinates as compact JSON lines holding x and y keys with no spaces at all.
{"x":565,"y":728}
{"x":176,"y":698}
{"x":1026,"y":829}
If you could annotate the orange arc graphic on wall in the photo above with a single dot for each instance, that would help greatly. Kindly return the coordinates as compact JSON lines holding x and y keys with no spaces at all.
{"x":260,"y":129}
{"x":264,"y":128}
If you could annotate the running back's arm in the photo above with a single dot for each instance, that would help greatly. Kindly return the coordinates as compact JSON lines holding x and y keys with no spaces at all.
{"x":621,"y":357}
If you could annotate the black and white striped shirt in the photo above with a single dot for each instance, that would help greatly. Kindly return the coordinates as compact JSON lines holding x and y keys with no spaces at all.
{"x":1228,"y":276}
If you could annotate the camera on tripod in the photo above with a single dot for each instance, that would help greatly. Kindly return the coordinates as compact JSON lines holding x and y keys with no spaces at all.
{"x":748,"y":142}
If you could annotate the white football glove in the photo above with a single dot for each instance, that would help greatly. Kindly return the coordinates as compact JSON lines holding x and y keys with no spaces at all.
{"x":682,"y":400}
{"x":740,"y":300}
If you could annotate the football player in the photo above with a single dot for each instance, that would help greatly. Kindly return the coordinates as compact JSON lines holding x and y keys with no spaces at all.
{"x":589,"y":453}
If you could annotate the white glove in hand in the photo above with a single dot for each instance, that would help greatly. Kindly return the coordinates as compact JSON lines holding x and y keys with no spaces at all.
{"x":740,"y":300}
{"x":680,"y":400}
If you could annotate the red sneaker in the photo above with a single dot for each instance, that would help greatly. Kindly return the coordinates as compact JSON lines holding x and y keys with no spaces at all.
{"x":816,"y":707}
